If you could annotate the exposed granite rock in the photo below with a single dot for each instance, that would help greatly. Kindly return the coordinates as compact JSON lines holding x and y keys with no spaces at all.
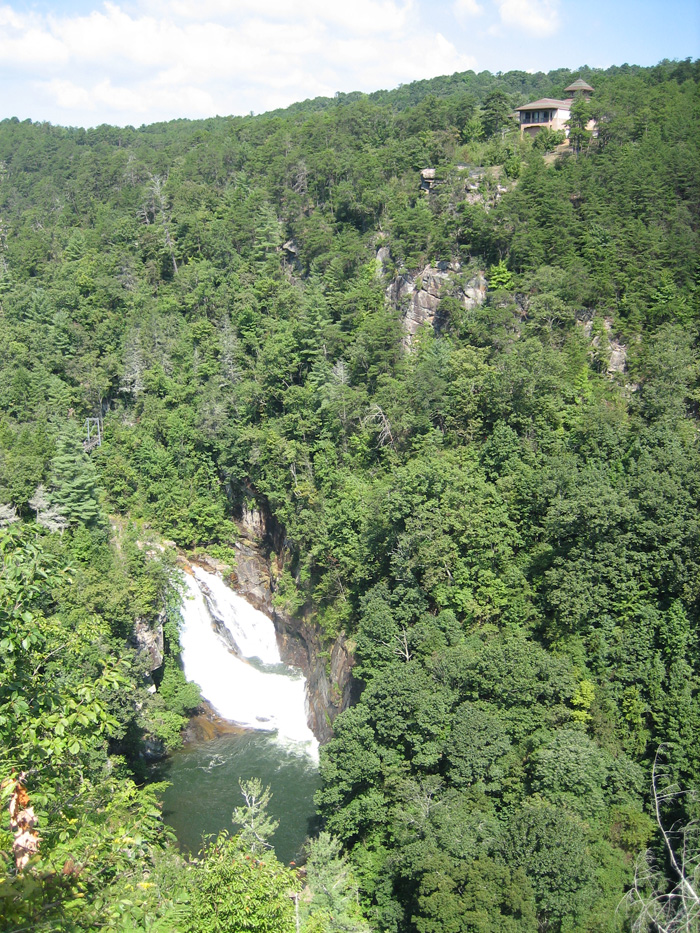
{"x":612,"y":353}
{"x":618,"y":358}
{"x":290,"y":254}
{"x":330,"y":686}
{"x":252,"y":522}
{"x":147,"y":638}
{"x":419,"y":296}
{"x":618,"y":351}
{"x":251,"y":577}
{"x":206,"y":724}
{"x":383,"y":260}
{"x":153,"y":749}
{"x":428,"y":179}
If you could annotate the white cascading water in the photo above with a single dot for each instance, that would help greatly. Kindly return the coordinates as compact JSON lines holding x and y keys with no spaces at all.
{"x":260,"y":694}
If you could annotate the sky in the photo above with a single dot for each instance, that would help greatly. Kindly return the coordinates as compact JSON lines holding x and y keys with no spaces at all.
{"x":130,"y":62}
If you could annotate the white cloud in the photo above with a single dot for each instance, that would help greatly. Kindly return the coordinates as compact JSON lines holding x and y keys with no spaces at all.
{"x":466,"y":9}
{"x":9,"y":18}
{"x":535,"y":17}
{"x":360,"y":16}
{"x":385,"y":66}
{"x":24,"y":40}
{"x":151,"y":60}
{"x":68,"y":95}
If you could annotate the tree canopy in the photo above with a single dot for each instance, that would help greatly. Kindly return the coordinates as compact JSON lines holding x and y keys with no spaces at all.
{"x":467,"y":401}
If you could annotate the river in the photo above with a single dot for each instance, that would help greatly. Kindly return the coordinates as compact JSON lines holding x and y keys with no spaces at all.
{"x":230,"y":650}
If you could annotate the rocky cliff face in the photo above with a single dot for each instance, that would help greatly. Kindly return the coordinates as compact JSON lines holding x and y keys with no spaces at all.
{"x":419,"y":297}
{"x":328,"y":670}
{"x":608,"y":352}
{"x":147,"y":638}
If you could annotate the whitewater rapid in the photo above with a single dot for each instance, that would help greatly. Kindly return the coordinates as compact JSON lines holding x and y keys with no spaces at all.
{"x":249,"y":685}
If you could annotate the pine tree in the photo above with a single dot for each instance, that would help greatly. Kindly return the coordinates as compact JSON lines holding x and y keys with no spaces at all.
{"x":578,"y":121}
{"x":496,"y":112}
{"x":73,"y":492}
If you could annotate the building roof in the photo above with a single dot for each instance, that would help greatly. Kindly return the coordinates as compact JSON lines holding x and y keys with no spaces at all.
{"x":579,"y":85}
{"x":546,"y":103}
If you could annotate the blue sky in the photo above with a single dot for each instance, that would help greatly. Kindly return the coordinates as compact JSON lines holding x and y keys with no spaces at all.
{"x":84,"y":62}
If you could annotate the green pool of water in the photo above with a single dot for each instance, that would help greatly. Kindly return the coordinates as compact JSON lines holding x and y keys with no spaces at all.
{"x":204,"y":788}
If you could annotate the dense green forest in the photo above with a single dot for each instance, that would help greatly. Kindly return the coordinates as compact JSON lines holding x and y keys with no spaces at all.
{"x":500,"y":513}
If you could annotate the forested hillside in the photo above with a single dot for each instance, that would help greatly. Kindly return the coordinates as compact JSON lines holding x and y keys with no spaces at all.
{"x":498,"y":507}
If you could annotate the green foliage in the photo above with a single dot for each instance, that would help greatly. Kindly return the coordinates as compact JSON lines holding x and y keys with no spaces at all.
{"x":73,"y":491}
{"x":550,"y":847}
{"x":512,"y":167}
{"x":496,"y":112}
{"x":330,"y":900}
{"x":500,"y":277}
{"x":477,"y":746}
{"x":168,"y":711}
{"x":60,"y":705}
{"x":234,"y":890}
{"x":579,"y":135}
{"x":548,"y":139}
{"x":502,"y":519}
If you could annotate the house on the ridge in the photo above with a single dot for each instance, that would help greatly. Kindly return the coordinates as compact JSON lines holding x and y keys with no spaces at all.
{"x":547,"y":112}
{"x":551,"y":113}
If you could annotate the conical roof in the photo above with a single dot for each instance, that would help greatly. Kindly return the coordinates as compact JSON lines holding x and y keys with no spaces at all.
{"x":579,"y":85}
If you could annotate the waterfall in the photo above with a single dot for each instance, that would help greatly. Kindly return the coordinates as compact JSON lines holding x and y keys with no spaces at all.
{"x":230,"y":650}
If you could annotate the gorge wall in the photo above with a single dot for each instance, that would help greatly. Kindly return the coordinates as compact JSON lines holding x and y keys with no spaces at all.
{"x":327,"y":668}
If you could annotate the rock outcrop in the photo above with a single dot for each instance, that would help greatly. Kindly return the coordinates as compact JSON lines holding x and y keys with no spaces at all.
{"x":420,"y":297}
{"x":328,"y":669}
{"x":206,"y":724}
{"x":612,"y":353}
{"x":147,"y":638}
